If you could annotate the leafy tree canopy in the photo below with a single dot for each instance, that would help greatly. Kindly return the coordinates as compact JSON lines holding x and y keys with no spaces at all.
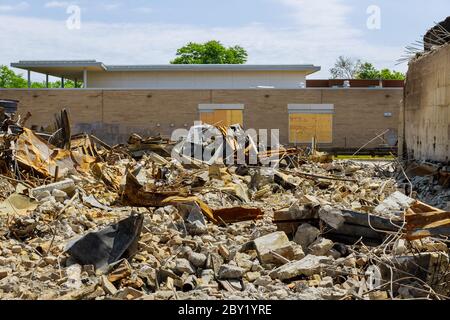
{"x":368,"y":72}
{"x":9,"y":79}
{"x":349,"y":68}
{"x":211,"y":52}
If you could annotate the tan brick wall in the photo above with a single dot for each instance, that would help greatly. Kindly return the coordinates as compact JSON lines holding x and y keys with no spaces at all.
{"x":114,"y":114}
{"x":425,"y":117}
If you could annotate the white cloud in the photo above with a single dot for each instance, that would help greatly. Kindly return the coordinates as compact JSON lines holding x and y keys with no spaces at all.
{"x":111,"y":6}
{"x":143,"y":10}
{"x":57,"y":4}
{"x":16,"y":7}
{"x":315,"y":41}
{"x":323,"y":13}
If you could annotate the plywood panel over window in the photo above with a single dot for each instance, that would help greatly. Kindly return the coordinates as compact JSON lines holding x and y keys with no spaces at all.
{"x":303,"y":127}
{"x":222,"y":114}
{"x":222,"y":117}
{"x":307,"y":121}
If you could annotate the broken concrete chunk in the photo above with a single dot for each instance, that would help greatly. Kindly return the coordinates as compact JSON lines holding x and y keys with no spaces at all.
{"x":308,"y":266}
{"x":68,"y":186}
{"x":228,"y":271}
{"x":326,"y":282}
{"x":252,"y":276}
{"x":223,"y":251}
{"x":184,"y":266}
{"x":320,"y":247}
{"x":305,"y":235}
{"x":4,"y":272}
{"x":108,"y":286}
{"x":298,"y":251}
{"x":332,"y":217}
{"x":197,"y":259}
{"x":394,"y":205}
{"x":59,"y":194}
{"x":277,"y":242}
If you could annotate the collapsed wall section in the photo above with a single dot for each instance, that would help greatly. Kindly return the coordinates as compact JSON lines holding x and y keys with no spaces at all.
{"x":425,"y":115}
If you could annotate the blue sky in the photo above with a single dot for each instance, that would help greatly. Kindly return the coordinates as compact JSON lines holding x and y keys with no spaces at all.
{"x":273,"y":31}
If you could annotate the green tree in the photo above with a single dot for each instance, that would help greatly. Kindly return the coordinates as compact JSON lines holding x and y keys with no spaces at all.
{"x":345,"y":68}
{"x":211,"y":52}
{"x":9,"y":79}
{"x":368,"y":72}
{"x":387,"y":74}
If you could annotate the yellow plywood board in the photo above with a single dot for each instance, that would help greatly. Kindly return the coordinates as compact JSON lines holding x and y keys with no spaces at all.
{"x":222,"y":117}
{"x":303,"y":127}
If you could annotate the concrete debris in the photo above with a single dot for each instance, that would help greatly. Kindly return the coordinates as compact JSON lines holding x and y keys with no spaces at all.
{"x":395,"y":204}
{"x":320,"y":247}
{"x":228,"y":271}
{"x":275,"y":243}
{"x":307,"y":266}
{"x":99,"y":222}
{"x":305,"y":235}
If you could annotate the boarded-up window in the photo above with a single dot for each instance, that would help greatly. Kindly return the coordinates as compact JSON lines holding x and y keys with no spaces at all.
{"x":308,"y":121}
{"x":222,"y":114}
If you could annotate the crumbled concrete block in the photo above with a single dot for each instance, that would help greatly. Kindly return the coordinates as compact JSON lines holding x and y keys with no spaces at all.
{"x":331,"y":216}
{"x":108,"y":286}
{"x":4,"y":272}
{"x":184,"y":266}
{"x":67,"y":186}
{"x":305,"y":235}
{"x":394,"y":204}
{"x":197,"y":259}
{"x":308,"y":266}
{"x":277,"y":242}
{"x":228,"y":271}
{"x":320,"y":247}
{"x":252,"y":276}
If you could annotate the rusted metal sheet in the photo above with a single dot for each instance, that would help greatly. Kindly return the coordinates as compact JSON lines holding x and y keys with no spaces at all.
{"x":425,"y":221}
{"x":238,"y":214}
{"x":137,"y":196}
{"x":35,"y":153}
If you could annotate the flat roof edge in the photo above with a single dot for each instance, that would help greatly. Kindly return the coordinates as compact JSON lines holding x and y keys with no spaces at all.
{"x":56,"y":64}
{"x":205,"y":67}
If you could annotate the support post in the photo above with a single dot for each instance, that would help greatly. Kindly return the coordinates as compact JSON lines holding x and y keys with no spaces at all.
{"x":76,"y":83}
{"x":62,"y":82}
{"x":29,"y":78}
{"x":85,"y":79}
{"x":46,"y":80}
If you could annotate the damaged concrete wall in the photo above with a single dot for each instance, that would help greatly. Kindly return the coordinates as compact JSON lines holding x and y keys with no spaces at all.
{"x":425,"y":116}
{"x":360,"y":114}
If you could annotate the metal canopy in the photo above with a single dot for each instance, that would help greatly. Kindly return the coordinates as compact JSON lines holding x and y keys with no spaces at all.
{"x":72,"y":70}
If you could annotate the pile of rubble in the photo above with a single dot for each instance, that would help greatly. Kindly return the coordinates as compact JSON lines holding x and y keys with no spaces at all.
{"x":83,"y":220}
{"x":430,"y":183}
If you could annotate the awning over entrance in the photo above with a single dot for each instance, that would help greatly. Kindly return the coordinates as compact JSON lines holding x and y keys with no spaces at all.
{"x":75,"y":70}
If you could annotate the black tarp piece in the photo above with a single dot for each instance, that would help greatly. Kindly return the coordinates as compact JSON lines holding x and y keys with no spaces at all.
{"x":9,"y":106}
{"x":115,"y":242}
